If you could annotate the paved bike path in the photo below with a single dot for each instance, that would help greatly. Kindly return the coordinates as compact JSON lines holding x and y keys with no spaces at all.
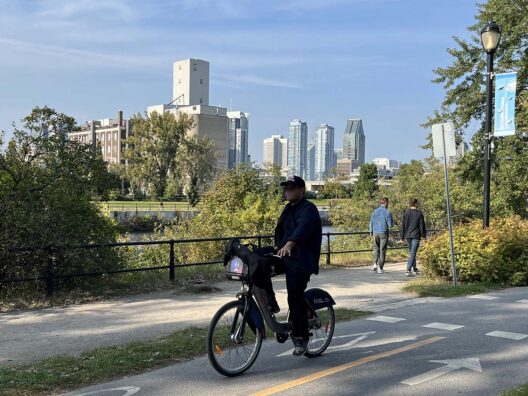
{"x":30,"y":335}
{"x":465,"y":345}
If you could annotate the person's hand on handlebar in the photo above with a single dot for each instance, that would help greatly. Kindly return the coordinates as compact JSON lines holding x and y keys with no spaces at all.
{"x":286,"y":250}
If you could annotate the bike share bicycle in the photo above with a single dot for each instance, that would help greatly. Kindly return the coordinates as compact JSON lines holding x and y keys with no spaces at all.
{"x":236,"y":331}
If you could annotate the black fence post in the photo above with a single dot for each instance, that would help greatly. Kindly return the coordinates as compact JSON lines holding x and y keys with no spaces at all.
{"x":171,"y":261}
{"x":49,"y":273}
{"x":259,"y":242}
{"x":328,"y":251}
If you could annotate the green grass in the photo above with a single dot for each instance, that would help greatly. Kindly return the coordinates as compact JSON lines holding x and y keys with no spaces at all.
{"x":63,"y":373}
{"x":521,"y":390}
{"x":438,"y":288}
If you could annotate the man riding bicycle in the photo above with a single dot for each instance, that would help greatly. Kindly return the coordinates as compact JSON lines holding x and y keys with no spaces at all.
{"x":298,"y":237}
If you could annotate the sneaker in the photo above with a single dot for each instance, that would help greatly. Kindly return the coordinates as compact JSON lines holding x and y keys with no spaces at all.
{"x":301,"y":345}
{"x":416,"y":271}
{"x":409,"y":274}
{"x":380,"y":271}
{"x":374,"y":267}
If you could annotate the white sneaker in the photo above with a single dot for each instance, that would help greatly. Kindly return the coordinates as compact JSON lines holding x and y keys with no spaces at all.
{"x":380,"y":271}
{"x":409,"y":274}
{"x":374,"y":267}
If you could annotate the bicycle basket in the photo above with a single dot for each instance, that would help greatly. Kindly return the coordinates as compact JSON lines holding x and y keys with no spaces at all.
{"x":236,"y":269}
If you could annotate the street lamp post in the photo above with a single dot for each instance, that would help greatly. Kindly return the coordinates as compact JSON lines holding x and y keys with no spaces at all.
{"x":490,"y":36}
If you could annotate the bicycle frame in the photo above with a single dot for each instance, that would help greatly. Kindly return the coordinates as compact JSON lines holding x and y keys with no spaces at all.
{"x":315,"y":299}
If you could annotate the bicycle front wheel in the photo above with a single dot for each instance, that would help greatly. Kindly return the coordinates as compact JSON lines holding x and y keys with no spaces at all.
{"x":232,"y":347}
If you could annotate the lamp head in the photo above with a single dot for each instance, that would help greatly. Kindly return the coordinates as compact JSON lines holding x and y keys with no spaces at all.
{"x":490,"y":36}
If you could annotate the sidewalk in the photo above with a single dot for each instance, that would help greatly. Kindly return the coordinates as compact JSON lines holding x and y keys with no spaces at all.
{"x":31,"y":335}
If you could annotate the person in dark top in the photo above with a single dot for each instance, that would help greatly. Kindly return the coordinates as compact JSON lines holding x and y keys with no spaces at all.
{"x":412,"y":230}
{"x":298,"y":237}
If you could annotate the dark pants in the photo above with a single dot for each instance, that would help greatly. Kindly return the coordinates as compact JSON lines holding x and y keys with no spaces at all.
{"x":296,"y":283}
{"x":380,"y":249}
{"x":413,"y":245}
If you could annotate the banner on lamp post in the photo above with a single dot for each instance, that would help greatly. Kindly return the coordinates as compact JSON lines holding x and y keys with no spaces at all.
{"x":504,"y":117}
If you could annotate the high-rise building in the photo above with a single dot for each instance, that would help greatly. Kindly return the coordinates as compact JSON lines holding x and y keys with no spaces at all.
{"x":107,"y":135}
{"x":191,"y":96}
{"x":237,"y":138}
{"x":324,"y":151}
{"x":338,"y":154}
{"x":276,"y":151}
{"x":310,"y":174}
{"x":190,"y":82}
{"x":354,"y":141}
{"x":297,"y":145}
{"x":461,"y":150}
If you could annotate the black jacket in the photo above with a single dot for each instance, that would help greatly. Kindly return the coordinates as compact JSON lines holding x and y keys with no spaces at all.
{"x":301,"y":223}
{"x":413,"y":225}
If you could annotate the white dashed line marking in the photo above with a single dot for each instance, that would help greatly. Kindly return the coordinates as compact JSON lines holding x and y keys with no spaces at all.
{"x":482,"y":297}
{"x":385,"y":319}
{"x":507,"y":334}
{"x":442,"y":326}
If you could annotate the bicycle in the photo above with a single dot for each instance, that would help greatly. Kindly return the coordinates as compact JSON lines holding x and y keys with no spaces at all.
{"x":236,"y":331}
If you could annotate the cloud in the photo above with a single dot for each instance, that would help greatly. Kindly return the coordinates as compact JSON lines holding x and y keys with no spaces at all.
{"x":258,"y":80}
{"x":105,"y":9}
{"x":78,"y":55}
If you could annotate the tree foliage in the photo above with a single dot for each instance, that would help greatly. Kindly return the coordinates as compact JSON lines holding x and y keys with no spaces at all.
{"x":153,"y":147}
{"x":47,"y":184}
{"x":464,"y":103}
{"x":367,"y":184}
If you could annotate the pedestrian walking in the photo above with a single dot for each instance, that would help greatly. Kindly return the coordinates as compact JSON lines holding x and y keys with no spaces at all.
{"x":412,"y":231}
{"x":380,"y":223}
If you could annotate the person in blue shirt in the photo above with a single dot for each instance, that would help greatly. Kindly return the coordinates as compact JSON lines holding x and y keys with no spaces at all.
{"x":380,"y":223}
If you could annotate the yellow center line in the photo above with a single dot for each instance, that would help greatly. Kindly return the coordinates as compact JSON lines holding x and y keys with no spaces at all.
{"x":342,"y":367}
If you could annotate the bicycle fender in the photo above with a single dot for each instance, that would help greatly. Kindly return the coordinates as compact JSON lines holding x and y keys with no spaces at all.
{"x":254,"y":317}
{"x":318,"y":298}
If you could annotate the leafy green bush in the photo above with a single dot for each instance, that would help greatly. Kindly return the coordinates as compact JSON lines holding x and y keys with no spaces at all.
{"x":498,"y":254}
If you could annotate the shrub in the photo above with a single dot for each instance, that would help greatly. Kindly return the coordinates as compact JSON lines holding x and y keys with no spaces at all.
{"x":498,"y":254}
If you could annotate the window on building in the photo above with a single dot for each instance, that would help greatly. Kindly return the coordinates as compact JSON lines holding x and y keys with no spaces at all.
{"x":179,"y":81}
{"x":194,"y":66}
{"x":200,"y":100}
{"x":201,"y":80}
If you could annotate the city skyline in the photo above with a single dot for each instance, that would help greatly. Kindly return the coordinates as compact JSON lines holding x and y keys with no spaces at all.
{"x":66,"y":55}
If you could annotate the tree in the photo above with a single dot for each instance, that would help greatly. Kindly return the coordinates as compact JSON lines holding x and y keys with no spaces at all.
{"x":47,"y":184}
{"x":197,"y":166}
{"x":335,"y":188}
{"x":464,"y":102}
{"x":153,"y":148}
{"x":367,"y":184}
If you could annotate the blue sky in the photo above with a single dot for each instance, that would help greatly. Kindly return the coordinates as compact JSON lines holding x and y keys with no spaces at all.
{"x":322,"y":61}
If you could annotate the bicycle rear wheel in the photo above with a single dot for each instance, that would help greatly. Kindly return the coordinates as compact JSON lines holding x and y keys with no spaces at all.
{"x":232,"y":347}
{"x":321,"y":331}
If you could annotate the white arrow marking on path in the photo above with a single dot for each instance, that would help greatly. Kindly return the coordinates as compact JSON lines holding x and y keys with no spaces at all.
{"x":348,"y":345}
{"x":449,"y":365}
{"x":129,"y":390}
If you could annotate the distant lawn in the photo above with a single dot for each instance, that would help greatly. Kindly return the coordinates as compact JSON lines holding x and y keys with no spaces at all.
{"x":173,"y":205}
{"x":145,"y":206}
{"x":62,"y":373}
{"x":438,"y":288}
